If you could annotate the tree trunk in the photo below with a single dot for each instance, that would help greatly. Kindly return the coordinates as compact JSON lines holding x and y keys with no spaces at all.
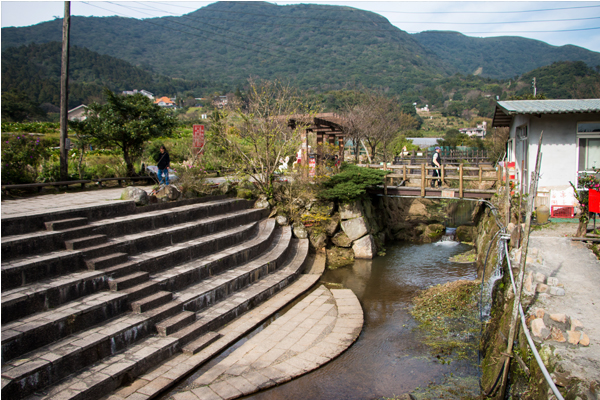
{"x":128,"y":163}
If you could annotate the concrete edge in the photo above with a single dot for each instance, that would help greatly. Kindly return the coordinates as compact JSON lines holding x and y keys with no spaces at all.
{"x":154,"y":384}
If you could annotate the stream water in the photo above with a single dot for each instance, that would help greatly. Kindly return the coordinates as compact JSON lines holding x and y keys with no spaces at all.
{"x":389,"y":357}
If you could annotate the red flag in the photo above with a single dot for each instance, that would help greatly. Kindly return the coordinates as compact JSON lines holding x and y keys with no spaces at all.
{"x":594,"y":201}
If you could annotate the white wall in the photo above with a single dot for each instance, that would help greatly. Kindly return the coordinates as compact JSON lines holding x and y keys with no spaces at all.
{"x":559,"y":145}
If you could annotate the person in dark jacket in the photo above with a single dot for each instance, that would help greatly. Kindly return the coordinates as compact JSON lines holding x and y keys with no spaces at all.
{"x":164,"y":162}
{"x":436,"y":162}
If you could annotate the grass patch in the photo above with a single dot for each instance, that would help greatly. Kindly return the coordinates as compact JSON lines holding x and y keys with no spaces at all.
{"x":465,"y":258}
{"x":448,"y":319}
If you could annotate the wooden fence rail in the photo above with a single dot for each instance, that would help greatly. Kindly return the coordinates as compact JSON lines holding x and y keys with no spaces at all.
{"x":459,"y":173}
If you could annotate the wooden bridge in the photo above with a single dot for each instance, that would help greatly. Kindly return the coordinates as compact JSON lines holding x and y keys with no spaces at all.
{"x":451,"y":176}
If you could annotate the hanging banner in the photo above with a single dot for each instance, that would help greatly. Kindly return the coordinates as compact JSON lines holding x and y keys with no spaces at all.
{"x":198,"y":135}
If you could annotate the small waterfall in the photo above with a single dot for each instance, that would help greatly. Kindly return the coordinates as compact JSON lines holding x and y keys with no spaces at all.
{"x":449,"y":238}
{"x":486,"y":297}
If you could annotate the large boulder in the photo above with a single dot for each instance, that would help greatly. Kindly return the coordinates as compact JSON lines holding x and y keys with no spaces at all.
{"x":318,"y":239}
{"x":351,"y":210}
{"x":139,"y":196}
{"x":341,"y":240}
{"x":355,"y":228}
{"x":168,"y":193}
{"x":281,"y":220}
{"x":262,"y":203}
{"x":323,"y":208}
{"x":332,"y":225}
{"x":299,"y":230}
{"x":364,"y":247}
{"x":433,"y":232}
{"x":464,"y":233}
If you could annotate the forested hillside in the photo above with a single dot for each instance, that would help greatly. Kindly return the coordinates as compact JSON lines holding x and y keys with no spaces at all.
{"x":500,"y":57}
{"x":35,"y":70}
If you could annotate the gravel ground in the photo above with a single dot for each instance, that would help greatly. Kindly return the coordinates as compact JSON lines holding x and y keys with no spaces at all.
{"x":578,"y":269}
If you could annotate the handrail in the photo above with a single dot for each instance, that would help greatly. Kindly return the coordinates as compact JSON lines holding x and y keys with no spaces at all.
{"x":528,"y":335}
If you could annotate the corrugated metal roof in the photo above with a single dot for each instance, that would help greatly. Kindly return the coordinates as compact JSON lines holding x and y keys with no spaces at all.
{"x":513,"y":107}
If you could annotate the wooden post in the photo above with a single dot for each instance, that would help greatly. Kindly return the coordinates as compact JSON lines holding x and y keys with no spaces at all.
{"x":423,"y":179}
{"x":507,"y":192}
{"x":460,"y":180}
{"x":443,"y":175}
{"x":480,"y":173}
{"x":521,"y":274}
{"x":64,"y":94}
{"x":404,"y":173}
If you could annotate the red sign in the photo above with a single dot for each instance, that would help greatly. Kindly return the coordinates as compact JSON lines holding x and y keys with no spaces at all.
{"x":594,"y":201}
{"x":312,"y":167}
{"x":198,"y":137}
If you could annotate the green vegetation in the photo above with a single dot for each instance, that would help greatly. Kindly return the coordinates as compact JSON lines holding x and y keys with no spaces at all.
{"x":351,"y":183}
{"x":21,"y":155}
{"x":126,"y":123}
{"x":448,"y":316}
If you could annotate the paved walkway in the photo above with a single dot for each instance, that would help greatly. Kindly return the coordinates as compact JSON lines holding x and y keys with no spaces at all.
{"x":17,"y":207}
{"x":314,"y":331}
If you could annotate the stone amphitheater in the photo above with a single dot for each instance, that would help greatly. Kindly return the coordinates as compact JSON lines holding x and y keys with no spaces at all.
{"x":103,"y":299}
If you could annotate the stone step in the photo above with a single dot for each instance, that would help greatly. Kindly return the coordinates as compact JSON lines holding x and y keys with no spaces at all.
{"x":107,"y":261}
{"x":65,"y":224}
{"x":88,"y":241}
{"x":25,"y":271}
{"x":152,"y":301}
{"x":52,"y":293}
{"x":218,"y":287}
{"x":113,"y":225}
{"x":128,"y":281}
{"x":105,"y":375}
{"x":17,"y":340}
{"x":173,"y":324}
{"x":184,"y":275}
{"x":201,"y":343}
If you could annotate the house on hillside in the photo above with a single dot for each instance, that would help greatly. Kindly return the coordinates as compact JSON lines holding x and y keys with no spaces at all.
{"x":165,"y":102}
{"x":478,"y":131}
{"x":134,"y":91}
{"x":570,"y":144}
{"x":77,"y":113}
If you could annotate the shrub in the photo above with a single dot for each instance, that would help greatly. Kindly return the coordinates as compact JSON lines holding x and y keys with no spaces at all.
{"x":21,"y":156}
{"x":351,"y":183}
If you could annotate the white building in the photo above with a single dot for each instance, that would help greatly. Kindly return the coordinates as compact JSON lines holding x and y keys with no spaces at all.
{"x":570,"y":144}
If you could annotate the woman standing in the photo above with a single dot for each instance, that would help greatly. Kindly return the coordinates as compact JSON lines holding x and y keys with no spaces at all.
{"x":163,"y":164}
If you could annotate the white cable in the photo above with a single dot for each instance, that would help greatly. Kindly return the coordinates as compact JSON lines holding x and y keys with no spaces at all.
{"x":526,"y":330}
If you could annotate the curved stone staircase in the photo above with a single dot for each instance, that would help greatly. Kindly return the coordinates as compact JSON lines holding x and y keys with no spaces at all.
{"x":102,"y":295}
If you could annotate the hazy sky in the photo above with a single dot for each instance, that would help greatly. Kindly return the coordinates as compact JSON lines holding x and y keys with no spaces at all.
{"x":554,"y":22}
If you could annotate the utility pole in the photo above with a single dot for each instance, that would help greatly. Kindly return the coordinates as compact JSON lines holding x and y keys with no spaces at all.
{"x":534,"y":87}
{"x":64,"y":94}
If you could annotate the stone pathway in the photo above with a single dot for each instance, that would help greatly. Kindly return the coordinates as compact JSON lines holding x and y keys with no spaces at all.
{"x":16,"y":207}
{"x":313,"y":332}
{"x":577,"y":270}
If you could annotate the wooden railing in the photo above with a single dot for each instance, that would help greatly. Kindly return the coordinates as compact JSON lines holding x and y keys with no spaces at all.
{"x":459,"y":173}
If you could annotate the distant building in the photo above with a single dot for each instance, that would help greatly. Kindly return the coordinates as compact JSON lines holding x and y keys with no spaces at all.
{"x":165,"y":102}
{"x":479,"y":131}
{"x":424,"y":143}
{"x":77,"y":113}
{"x":134,"y":91}
{"x":422,"y":109}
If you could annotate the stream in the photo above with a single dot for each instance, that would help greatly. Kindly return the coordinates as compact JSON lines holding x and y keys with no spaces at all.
{"x":389,"y":357}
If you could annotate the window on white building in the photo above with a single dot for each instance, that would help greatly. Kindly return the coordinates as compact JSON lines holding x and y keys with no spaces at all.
{"x":588,"y":135}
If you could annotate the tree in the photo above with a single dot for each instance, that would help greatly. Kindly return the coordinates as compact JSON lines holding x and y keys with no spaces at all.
{"x":127,"y":122}
{"x":259,"y":134}
{"x":18,"y":107}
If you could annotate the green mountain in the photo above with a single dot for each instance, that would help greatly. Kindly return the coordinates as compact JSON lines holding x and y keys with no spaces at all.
{"x":316,"y":47}
{"x":500,"y":57}
{"x":35,"y":69}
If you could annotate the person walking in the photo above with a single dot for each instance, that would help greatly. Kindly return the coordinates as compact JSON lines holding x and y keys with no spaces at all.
{"x":436,"y":161}
{"x":163,"y":164}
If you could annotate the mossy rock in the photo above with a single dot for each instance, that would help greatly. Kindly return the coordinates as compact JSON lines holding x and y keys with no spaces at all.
{"x":464,"y":233}
{"x":339,"y":257}
{"x":245,"y":194}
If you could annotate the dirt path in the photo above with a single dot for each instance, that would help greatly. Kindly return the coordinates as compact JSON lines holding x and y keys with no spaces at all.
{"x":578,"y":269}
